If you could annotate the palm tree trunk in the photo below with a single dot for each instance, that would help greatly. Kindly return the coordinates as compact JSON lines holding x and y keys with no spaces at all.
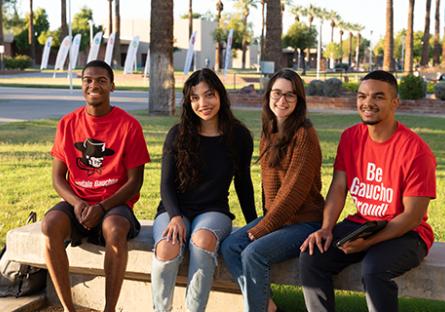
{"x":357,"y":51}
{"x":263,"y":5}
{"x":63,"y":24}
{"x":244,"y":45}
{"x":190,"y":18}
{"x":274,"y":28}
{"x":161,"y":99}
{"x":110,"y":17}
{"x":426,"y":36}
{"x":350,"y":49}
{"x":436,"y":51}
{"x":409,"y":40}
{"x":1,"y":23}
{"x":218,"y":58}
{"x":31,"y":40}
{"x":117,"y":39}
{"x":341,"y":46}
{"x":388,"y":60}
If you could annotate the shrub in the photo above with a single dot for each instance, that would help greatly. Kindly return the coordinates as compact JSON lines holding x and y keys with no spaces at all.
{"x":412,"y":88}
{"x":315,"y":87}
{"x":344,"y":66}
{"x":332,"y":87}
{"x":18,"y":62}
{"x":351,"y":86}
{"x":439,"y":90}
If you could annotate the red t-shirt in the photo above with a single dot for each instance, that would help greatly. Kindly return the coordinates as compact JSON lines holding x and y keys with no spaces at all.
{"x":379,"y":175}
{"x":98,"y":151}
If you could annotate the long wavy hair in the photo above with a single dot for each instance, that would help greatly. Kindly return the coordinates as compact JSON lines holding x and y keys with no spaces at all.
{"x":277,"y":148}
{"x":186,"y":146}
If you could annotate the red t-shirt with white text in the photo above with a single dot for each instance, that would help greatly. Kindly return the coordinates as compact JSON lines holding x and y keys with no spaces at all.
{"x":379,"y":175}
{"x":98,"y":151}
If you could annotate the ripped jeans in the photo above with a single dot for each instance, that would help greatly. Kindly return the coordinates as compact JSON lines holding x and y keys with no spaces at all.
{"x":201,"y":265}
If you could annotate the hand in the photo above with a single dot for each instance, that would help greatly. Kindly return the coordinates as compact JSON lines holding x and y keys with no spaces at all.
{"x":322,"y":238}
{"x":92,"y":216}
{"x":79,"y":209}
{"x":251,"y":237}
{"x":354,"y":246}
{"x":175,"y":231}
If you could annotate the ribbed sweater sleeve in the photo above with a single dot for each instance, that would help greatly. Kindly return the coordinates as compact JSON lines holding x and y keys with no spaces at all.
{"x":285,"y":197}
{"x":168,"y":173}
{"x":243,"y":181}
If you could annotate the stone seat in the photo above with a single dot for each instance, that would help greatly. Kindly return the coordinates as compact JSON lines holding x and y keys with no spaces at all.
{"x":25,"y":245}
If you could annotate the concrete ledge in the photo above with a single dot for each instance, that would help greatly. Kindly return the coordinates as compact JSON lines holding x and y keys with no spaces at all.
{"x":23,"y":304}
{"x":25,"y":245}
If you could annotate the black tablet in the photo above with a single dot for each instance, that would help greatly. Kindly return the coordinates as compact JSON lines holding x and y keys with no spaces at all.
{"x":366,"y":230}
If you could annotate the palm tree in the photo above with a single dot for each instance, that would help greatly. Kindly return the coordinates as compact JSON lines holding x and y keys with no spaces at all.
{"x":350,"y":28}
{"x":409,"y":39}
{"x":110,"y":17}
{"x":161,"y":99}
{"x":1,"y":23}
{"x":218,"y":58}
{"x":245,"y":6}
{"x":263,"y":5}
{"x":31,"y":37}
{"x":335,"y":20}
{"x":117,"y":30}
{"x":274,"y":29}
{"x":426,"y":36}
{"x":190,"y":18}
{"x":342,"y":26}
{"x":63,"y":25}
{"x":388,"y":60}
{"x":358,"y":28}
{"x":436,"y":51}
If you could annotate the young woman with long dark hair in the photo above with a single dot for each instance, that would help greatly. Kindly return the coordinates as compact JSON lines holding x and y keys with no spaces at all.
{"x":201,"y":155}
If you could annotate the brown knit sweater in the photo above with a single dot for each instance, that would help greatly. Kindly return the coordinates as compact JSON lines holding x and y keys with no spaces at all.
{"x":291,"y":193}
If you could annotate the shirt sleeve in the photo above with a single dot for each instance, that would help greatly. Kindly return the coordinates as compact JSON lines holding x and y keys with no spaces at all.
{"x":136,"y":152}
{"x":421,"y":178}
{"x":339,"y":163}
{"x":243,"y":181}
{"x":168,"y":176}
{"x":57,"y":150}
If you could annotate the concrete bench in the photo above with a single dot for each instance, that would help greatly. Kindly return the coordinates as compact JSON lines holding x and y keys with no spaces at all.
{"x":25,"y":245}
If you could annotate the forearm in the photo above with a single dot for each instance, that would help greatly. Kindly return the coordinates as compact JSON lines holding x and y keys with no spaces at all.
{"x":122,"y":195}
{"x":65,"y":191}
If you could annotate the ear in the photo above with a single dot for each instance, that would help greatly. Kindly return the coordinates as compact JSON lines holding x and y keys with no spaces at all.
{"x":395,"y":103}
{"x":113,"y":86}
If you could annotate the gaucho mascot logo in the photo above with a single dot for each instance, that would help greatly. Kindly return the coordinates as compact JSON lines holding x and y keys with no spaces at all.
{"x":93,"y":153}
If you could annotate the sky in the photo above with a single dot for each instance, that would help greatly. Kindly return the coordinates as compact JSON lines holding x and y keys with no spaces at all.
{"x":370,"y":13}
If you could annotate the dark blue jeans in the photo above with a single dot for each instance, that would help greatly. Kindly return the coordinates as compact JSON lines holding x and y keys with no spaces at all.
{"x":380,"y":265}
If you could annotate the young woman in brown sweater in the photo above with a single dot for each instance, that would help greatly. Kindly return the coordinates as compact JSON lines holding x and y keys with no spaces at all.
{"x":290,"y":159}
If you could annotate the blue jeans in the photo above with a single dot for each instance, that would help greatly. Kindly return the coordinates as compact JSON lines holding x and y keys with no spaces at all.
{"x":201,"y":265}
{"x":250,"y":261}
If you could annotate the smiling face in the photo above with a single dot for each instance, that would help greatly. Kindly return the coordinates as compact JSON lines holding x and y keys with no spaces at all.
{"x":205,"y":102}
{"x":376,"y":102}
{"x":96,"y":86}
{"x":282,"y":99}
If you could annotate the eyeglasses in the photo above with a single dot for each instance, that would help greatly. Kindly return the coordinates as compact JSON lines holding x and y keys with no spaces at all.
{"x":290,"y":97}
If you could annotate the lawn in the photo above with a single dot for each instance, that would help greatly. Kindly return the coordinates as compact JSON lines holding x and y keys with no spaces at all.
{"x":25,"y":177}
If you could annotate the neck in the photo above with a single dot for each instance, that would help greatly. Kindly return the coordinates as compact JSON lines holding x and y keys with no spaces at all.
{"x":209,"y":128}
{"x":98,"y":110}
{"x":382,"y":132}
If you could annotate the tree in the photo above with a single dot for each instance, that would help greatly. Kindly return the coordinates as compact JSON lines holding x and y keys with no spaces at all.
{"x":409,"y":40}
{"x":219,"y":9}
{"x":300,"y":36}
{"x":80,"y":26}
{"x":244,"y":6}
{"x":110,"y":17}
{"x":233,"y":21}
{"x":342,"y":26}
{"x":426,"y":36}
{"x":263,"y":24}
{"x":161,"y":99}
{"x":190,"y":17}
{"x":117,"y":39}
{"x":21,"y":34}
{"x":436,"y":51}
{"x":274,"y":30}
{"x":332,"y":50}
{"x":31,"y":36}
{"x":388,"y":59}
{"x":1,"y":22}
{"x":335,"y":21}
{"x":64,"y":26}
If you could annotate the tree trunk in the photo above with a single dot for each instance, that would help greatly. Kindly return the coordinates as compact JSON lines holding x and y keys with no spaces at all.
{"x":110,"y":17}
{"x":357,"y":51}
{"x":218,"y":52}
{"x":274,"y":28}
{"x":31,"y":40}
{"x":388,"y":60}
{"x":263,"y":5}
{"x":350,"y":49}
{"x":426,"y":36}
{"x":1,"y":24}
{"x":332,"y":31}
{"x":409,"y":40}
{"x":341,"y":46}
{"x":190,"y":18}
{"x":244,"y":45}
{"x":161,"y":99}
{"x":63,"y":24}
{"x":117,"y":39}
{"x":436,"y":51}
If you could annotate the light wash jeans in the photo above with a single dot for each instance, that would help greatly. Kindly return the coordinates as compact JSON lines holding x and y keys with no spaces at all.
{"x":250,"y":261}
{"x":201,"y":265}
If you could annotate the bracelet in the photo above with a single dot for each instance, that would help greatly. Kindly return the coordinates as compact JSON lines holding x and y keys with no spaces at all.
{"x":102,"y":206}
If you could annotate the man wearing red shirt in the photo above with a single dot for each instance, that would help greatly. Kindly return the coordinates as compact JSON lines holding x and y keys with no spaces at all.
{"x":98,"y":169}
{"x":389,"y":172}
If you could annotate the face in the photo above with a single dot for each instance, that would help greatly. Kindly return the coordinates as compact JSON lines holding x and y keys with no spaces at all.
{"x":96,"y":86}
{"x":376,"y":102}
{"x":282,"y":99}
{"x":205,"y":102}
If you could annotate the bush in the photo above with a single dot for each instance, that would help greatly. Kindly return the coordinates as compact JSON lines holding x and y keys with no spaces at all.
{"x":315,"y":87}
{"x":332,"y":87}
{"x":344,"y":66}
{"x":439,"y":90}
{"x":351,"y":86}
{"x":19,"y":62}
{"x":412,"y":88}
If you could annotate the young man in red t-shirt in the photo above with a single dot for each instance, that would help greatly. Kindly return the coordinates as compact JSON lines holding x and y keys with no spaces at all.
{"x":98,"y":169}
{"x":389,"y":172}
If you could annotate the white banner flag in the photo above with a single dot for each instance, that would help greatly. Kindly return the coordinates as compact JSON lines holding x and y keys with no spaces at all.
{"x":63,"y":53}
{"x":228,"y":51}
{"x":131,"y":55}
{"x":46,"y":51}
{"x":147,"y":64}
{"x":94,"y":49}
{"x":109,"y":50}
{"x":189,"y":57}
{"x":74,"y":51}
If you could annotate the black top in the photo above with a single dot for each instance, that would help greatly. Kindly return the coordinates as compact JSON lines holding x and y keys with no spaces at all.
{"x":215,"y":175}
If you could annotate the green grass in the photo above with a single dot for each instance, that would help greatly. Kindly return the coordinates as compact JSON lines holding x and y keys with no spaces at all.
{"x":25,"y":175}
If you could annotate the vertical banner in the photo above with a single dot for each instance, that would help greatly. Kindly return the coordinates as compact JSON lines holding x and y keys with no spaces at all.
{"x":147,"y":64}
{"x":189,"y":57}
{"x":94,"y":49}
{"x":228,"y":51}
{"x":109,"y":51}
{"x":45,"y":54}
{"x":62,"y":53}
{"x":131,"y":55}
{"x":74,"y":51}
